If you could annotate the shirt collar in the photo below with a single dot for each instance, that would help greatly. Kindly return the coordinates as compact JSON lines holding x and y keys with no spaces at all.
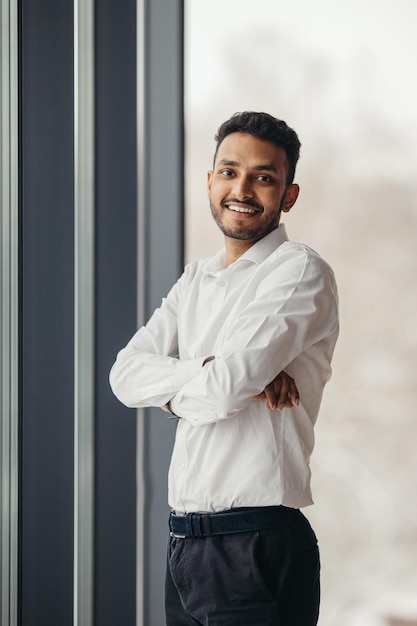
{"x":255,"y":254}
{"x":265,"y":246}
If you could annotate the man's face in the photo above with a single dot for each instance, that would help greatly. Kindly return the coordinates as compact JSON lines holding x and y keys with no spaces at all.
{"x":248,"y":188}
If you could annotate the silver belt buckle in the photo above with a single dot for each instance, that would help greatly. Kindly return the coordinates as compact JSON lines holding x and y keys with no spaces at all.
{"x":177,"y":536}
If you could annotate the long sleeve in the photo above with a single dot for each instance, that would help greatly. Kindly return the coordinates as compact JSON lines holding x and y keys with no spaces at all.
{"x":292,"y":315}
{"x":275,"y":308}
{"x":148,"y":372}
{"x":256,"y":319}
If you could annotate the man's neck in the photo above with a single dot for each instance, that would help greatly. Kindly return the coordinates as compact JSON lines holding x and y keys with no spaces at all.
{"x":235,"y":248}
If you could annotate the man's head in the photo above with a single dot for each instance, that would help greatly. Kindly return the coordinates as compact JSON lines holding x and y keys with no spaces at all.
{"x":251,"y":181}
{"x":263,"y":126}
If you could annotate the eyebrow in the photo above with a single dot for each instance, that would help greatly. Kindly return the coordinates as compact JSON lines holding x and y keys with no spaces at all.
{"x":262,"y":167}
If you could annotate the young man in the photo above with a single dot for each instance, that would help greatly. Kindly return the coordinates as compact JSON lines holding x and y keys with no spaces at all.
{"x":241,"y":553}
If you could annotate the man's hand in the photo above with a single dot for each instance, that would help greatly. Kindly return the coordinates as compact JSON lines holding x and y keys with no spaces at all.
{"x":280,"y":393}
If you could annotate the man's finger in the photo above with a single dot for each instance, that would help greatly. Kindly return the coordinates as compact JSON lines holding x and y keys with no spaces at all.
{"x":282,"y":393}
{"x":293,"y":393}
{"x":271,"y":396}
{"x":261,"y":397}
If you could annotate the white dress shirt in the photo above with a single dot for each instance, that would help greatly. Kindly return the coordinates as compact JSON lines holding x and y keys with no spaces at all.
{"x":274,"y":308}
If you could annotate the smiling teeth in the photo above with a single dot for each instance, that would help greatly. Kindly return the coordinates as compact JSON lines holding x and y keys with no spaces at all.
{"x":240,"y":209}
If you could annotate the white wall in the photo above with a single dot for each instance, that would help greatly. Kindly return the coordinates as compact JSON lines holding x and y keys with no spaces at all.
{"x":343,"y":75}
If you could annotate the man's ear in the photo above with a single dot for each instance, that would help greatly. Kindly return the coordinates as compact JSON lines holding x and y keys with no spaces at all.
{"x":291,"y":196}
{"x":209,"y":179}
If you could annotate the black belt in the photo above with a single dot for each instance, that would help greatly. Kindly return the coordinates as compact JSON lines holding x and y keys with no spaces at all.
{"x":232,"y":521}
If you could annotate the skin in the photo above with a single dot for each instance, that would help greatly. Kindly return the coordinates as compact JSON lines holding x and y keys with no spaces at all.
{"x":280,"y":393}
{"x":248,"y":191}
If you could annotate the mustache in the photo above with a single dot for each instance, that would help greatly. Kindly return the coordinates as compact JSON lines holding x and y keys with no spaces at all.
{"x":250,"y":203}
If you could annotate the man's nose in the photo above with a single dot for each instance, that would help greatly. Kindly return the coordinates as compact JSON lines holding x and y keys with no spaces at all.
{"x":243,"y":188}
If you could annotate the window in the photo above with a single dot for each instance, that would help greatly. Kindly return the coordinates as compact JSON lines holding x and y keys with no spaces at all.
{"x":340,"y":73}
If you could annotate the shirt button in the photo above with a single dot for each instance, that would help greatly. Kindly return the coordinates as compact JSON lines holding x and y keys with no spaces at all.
{"x":182,"y":466}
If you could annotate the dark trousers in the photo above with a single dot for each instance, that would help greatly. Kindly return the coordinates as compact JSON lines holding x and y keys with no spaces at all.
{"x":261,"y":578}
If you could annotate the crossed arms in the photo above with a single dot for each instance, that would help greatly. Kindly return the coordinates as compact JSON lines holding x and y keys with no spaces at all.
{"x":291,"y":312}
{"x":280,"y":393}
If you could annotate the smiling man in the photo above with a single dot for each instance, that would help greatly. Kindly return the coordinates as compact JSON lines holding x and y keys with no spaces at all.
{"x":248,"y":189}
{"x":221,"y":354}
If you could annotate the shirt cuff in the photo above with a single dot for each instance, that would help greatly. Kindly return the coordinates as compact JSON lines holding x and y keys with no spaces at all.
{"x":186,"y":370}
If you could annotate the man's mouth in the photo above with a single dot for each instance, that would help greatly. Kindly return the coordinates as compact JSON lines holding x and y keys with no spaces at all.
{"x":238,"y":208}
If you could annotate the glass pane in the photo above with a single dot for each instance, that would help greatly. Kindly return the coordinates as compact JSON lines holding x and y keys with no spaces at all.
{"x":341,"y":74}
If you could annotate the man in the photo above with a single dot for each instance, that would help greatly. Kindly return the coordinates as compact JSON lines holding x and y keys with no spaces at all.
{"x":241,"y":553}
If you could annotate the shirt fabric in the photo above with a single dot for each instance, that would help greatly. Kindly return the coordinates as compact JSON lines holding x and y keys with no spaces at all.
{"x":273,"y":309}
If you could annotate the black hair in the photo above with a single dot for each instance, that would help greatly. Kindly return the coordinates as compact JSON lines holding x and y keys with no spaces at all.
{"x":263,"y":126}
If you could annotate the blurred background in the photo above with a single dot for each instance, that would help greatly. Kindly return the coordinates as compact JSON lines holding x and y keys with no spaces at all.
{"x":342,"y":75}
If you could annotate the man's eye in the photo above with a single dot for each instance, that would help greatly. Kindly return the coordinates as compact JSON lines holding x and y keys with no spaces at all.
{"x":226,"y":172}
{"x":263,"y":178}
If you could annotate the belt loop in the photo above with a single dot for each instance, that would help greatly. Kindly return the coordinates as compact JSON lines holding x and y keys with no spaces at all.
{"x":199,"y":525}
{"x":205,"y":519}
{"x":189,"y":524}
{"x":195,"y":525}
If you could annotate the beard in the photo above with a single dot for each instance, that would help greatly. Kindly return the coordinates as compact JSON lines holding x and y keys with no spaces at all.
{"x":243,"y":232}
